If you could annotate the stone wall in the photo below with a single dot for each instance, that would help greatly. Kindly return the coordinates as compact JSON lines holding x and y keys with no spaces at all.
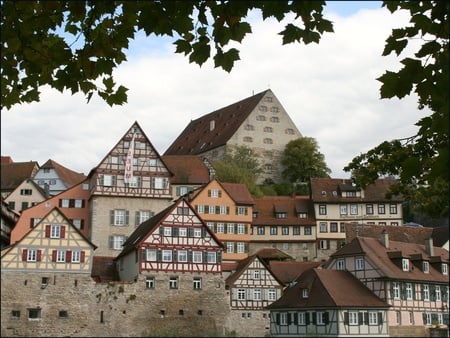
{"x":408,"y":331}
{"x":73,"y":305}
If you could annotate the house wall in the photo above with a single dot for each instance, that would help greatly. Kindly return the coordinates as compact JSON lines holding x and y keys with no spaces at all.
{"x":300,"y":251}
{"x":50,"y":176}
{"x":112,"y":310}
{"x":18,"y":198}
{"x":128,"y":267}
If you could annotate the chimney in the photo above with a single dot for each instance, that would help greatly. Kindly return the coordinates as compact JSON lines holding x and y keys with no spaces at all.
{"x":429,"y":247}
{"x":385,"y":239}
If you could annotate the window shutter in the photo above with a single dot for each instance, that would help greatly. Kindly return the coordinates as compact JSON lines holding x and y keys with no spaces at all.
{"x":380,"y":318}
{"x":39,"y":255}
{"x":246,"y":211}
{"x":82,"y":203}
{"x":422,"y":292}
{"x":144,"y":254}
{"x":225,"y":228}
{"x":217,"y":209}
{"x":137,"y":218}
{"x":24,"y":254}
{"x":189,"y":256}
{"x":82,"y":256}
{"x":278,"y":318}
{"x":174,"y":255}
{"x":60,"y":202}
{"x":68,"y":256}
{"x":289,"y":319}
{"x":246,"y":247}
{"x":295,"y":318}
{"x":111,"y":217}
{"x":402,"y":290}
{"x":413,"y":285}
{"x":424,"y":318}
{"x":360,"y":318}
{"x":71,"y":203}
{"x":54,"y":256}
{"x":366,"y":318}
{"x":31,"y":223}
{"x":434,"y":318}
{"x":209,"y":193}
{"x":63,"y":231}
{"x":111,"y":242}
{"x":175,"y":232}
{"x":228,"y":210}
{"x":113,"y":180}
{"x":245,"y":229}
{"x":177,"y":191}
{"x":205,"y":257}
{"x":346,"y":318}
{"x":127,"y":217}
{"x":161,"y":230}
{"x":219,"y":257}
{"x":326,"y":319}
{"x":432,"y":293}
{"x":314,"y":318}
{"x":158,"y":255}
{"x":190,"y":232}
{"x":47,"y":231}
{"x":220,"y":193}
{"x":445,"y":319}
{"x":307,"y":320}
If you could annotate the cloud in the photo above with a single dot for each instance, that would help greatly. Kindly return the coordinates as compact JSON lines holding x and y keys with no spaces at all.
{"x":328,"y":89}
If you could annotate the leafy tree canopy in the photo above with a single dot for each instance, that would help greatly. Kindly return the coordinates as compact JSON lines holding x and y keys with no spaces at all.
{"x":420,"y":162}
{"x":76,"y":45}
{"x":302,"y":160}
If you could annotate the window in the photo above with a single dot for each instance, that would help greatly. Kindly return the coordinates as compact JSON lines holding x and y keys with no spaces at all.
{"x":197,"y":232}
{"x":220,"y":227}
{"x":142,"y":216}
{"x":323,"y":244}
{"x":159,"y":182}
{"x":353,"y":209}
{"x":173,"y":283}
{"x":63,"y":314}
{"x":321,"y":318}
{"x":425,"y":267}
{"x":340,"y":264}
{"x":119,"y":217}
{"x":260,"y":230}
{"x":273,"y":230}
{"x":224,"y":210}
{"x":272,"y":294}
{"x":289,"y":131}
{"x":395,"y":290}
{"x":182,"y":256}
{"x":274,"y":119}
{"x":369,"y":209}
{"x":34,"y":313}
{"x":393,"y":208}
{"x":15,"y":314}
{"x":241,"y":211}
{"x":268,"y":141}
{"x":285,"y":230}
{"x":405,"y":264}
{"x":274,"y":109}
{"x":167,"y":255}
{"x":305,"y":293}
{"x":168,"y":231}
{"x":116,"y":242}
{"x":343,"y":209}
{"x":60,"y":256}
{"x":323,"y":227}
{"x":183,"y":211}
{"x":150,"y":255}
{"x":302,"y":215}
{"x":214,"y":193}
{"x":249,"y":127}
{"x":296,"y":230}
{"x":342,"y":225}
{"x":411,"y":317}
{"x":398,"y":316}
{"x":241,"y":294}
{"x":437,"y":292}
{"x":26,"y":192}
{"x":268,"y":129}
{"x":230,"y":228}
{"x":301,"y":318}
{"x":333,"y":227}
{"x":201,"y":209}
{"x":135,"y":182}
{"x":79,"y":203}
{"x":78,"y":223}
{"x":107,"y":180}
{"x":31,"y":255}
{"x":256,"y":274}
{"x":427,"y":318}
{"x":211,"y":257}
{"x":381,"y":209}
{"x":322,"y":209}
{"x":263,"y":108}
{"x":308,"y":230}
{"x":196,"y":256}
{"x":240,"y":247}
{"x":281,"y":215}
{"x":283,"y":318}
{"x":257,"y":294}
{"x":197,"y":284}
{"x":444,"y":268}
{"x":241,"y":228}
{"x":76,"y":257}
{"x":260,"y":118}
{"x":182,"y":232}
{"x":409,"y":291}
{"x":353,"y":318}
{"x":230,"y":247}
{"x":359,"y":263}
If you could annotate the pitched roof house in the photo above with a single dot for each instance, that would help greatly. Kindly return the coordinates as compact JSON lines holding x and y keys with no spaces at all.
{"x":8,"y":219}
{"x":328,"y":303}
{"x":285,"y":222}
{"x":412,"y":278}
{"x":13,"y":174}
{"x":259,"y":122}
{"x":54,"y":178}
{"x":26,"y":194}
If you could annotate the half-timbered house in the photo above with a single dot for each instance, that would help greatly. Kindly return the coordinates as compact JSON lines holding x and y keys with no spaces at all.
{"x":328,"y":303}
{"x":252,"y":287}
{"x":412,"y":278}
{"x":227,"y":210}
{"x":129,"y":185}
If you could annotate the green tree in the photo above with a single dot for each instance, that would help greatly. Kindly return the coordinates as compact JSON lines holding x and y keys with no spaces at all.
{"x":239,"y":165}
{"x":303,"y":160}
{"x":419,"y":162}
{"x":76,"y":45}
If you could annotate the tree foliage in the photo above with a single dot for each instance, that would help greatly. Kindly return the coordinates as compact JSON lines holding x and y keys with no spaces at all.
{"x":76,"y":45}
{"x":303,"y":160}
{"x":420,"y":162}
{"x":239,"y":165}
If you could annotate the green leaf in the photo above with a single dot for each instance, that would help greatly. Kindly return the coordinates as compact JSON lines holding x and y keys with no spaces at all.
{"x":182,"y":46}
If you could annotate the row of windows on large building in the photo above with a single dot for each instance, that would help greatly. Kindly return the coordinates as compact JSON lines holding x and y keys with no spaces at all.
{"x":353,"y":209}
{"x":427,"y":292}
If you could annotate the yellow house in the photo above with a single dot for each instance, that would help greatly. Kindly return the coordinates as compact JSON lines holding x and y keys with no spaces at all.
{"x":53,"y":245}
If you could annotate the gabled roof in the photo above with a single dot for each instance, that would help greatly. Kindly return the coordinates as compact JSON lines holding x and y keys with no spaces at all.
{"x":214,"y":129}
{"x":238,"y":192}
{"x":396,"y":233}
{"x":288,"y":271}
{"x":8,"y":215}
{"x":266,"y":208}
{"x":187,"y":169}
{"x":273,"y":254}
{"x":440,"y":235}
{"x":12,"y":174}
{"x":328,"y":289}
{"x":243,"y":266}
{"x":330,"y":190}
{"x":383,"y":258}
{"x":68,"y":176}
{"x":147,"y":227}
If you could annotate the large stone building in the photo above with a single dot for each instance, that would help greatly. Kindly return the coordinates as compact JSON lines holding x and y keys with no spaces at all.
{"x":259,"y":122}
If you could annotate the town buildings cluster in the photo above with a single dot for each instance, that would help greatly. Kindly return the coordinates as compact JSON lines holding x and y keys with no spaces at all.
{"x":150,"y":245}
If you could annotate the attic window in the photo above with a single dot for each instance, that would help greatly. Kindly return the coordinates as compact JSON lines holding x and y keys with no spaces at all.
{"x":305,"y":293}
{"x":324,"y":193}
{"x":334,"y":193}
{"x":425,"y":267}
{"x":212,"y":125}
{"x":405,"y":264}
{"x":444,"y":268}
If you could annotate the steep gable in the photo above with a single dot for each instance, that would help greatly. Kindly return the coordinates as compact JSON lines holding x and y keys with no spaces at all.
{"x":12,"y":174}
{"x":67,"y":176}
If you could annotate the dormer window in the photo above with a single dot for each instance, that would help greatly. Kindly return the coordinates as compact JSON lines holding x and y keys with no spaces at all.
{"x":425,"y":267}
{"x":405,"y":264}
{"x":280,"y":215}
{"x":305,"y":293}
{"x":324,"y":193}
{"x":302,"y":215}
{"x":444,"y":269}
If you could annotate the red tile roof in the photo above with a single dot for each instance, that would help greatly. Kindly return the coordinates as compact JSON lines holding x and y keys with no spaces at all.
{"x":198,"y":137}
{"x":289,"y":271}
{"x":330,"y":190}
{"x":328,"y":288}
{"x":68,"y":176}
{"x":238,"y":192}
{"x":13,"y":174}
{"x":187,"y":169}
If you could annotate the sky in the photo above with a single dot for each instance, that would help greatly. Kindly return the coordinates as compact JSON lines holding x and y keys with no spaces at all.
{"x":328,"y":89}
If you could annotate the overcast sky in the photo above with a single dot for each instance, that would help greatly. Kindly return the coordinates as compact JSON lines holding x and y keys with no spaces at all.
{"x":328,"y":89}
